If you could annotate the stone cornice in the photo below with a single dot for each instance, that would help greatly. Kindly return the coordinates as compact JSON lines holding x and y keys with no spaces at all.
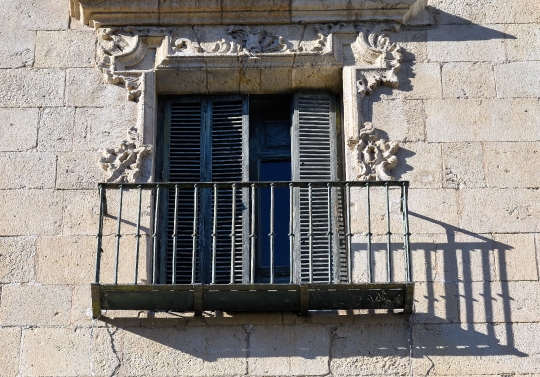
{"x":98,"y":13}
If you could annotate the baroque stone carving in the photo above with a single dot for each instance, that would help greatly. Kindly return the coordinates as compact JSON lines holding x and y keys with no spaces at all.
{"x":375,"y":155}
{"x":123,"y":163}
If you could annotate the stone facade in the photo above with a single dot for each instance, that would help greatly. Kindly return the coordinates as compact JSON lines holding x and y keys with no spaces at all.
{"x":463,"y":126}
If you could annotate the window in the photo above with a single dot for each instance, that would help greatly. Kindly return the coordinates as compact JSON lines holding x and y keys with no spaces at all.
{"x":249,"y":138}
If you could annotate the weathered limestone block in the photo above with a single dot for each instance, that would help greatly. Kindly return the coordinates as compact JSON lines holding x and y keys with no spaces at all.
{"x":100,"y":128}
{"x":31,"y":88}
{"x":518,"y":79}
{"x":512,"y":164}
{"x":503,"y":302}
{"x":485,"y":11}
{"x":474,"y":349}
{"x":413,"y":45}
{"x":432,"y":211}
{"x":420,"y":164}
{"x":35,"y":305}
{"x":195,"y":351}
{"x":457,"y":120}
{"x":86,"y":87}
{"x":65,"y":49}
{"x":295,"y":350}
{"x":16,"y":48}
{"x":370,"y":349}
{"x":18,"y":128}
{"x":56,"y":129}
{"x":9,"y":357}
{"x":27,"y":170}
{"x":463,"y":165}
{"x":435,"y":303}
{"x":68,"y":352}
{"x":468,"y":80}
{"x":500,"y":210}
{"x":417,"y":81}
{"x":424,"y":257}
{"x":17,"y":259}
{"x":77,"y":170}
{"x":466,"y":43}
{"x":526,"y":42}
{"x":515,"y":257}
{"x":30,"y":212}
{"x":403,"y":120}
{"x":35,"y":14}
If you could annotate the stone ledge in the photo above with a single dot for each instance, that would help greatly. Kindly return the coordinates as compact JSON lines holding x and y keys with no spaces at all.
{"x":98,"y":13}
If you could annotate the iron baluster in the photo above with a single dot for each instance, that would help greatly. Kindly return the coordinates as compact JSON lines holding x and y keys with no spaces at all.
{"x":138,"y":236}
{"x":329,"y":233}
{"x":194,"y":234}
{"x":388,"y":237}
{"x":100,"y":231}
{"x":214,"y":235}
{"x":154,"y":238}
{"x":310,"y":231}
{"x":233,"y":230}
{"x":272,"y":234}
{"x":291,"y":233}
{"x":369,"y":234}
{"x":118,"y":234}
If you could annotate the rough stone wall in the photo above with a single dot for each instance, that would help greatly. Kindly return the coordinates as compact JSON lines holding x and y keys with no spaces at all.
{"x":467,"y":114}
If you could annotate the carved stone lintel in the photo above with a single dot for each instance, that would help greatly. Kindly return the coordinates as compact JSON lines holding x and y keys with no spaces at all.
{"x":376,"y":156}
{"x":123,"y":164}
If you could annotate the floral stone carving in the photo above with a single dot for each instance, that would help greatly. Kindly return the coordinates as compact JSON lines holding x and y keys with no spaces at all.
{"x":123,"y":164}
{"x":375,"y":155}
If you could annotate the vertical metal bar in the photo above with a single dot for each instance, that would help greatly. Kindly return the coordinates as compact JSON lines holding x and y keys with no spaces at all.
{"x":214,"y":235}
{"x":233,"y":230}
{"x":388,"y":237}
{"x":310,"y":232}
{"x":252,"y":236}
{"x":175,"y":234}
{"x":154,"y":237}
{"x":100,"y":231}
{"x":194,"y":234}
{"x":369,"y":234}
{"x":291,"y":232}
{"x":118,"y":235}
{"x":349,"y":233}
{"x":406,"y":233}
{"x":272,"y":234}
{"x":329,"y":233}
{"x":138,"y":236}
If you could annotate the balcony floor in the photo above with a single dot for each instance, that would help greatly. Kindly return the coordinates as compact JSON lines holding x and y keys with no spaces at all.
{"x":252,"y":298}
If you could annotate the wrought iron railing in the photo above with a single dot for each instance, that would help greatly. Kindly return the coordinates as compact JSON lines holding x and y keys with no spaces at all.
{"x":212,"y":233}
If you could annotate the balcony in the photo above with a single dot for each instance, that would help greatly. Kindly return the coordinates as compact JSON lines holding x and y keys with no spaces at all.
{"x":253,"y":246}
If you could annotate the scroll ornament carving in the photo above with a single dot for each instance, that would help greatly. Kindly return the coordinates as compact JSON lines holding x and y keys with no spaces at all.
{"x":375,"y":155}
{"x":123,"y":163}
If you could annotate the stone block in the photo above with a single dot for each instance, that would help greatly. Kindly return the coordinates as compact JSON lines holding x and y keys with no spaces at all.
{"x":370,"y":349}
{"x":413,"y":44}
{"x":523,"y":41}
{"x":35,"y":305}
{"x":30,"y":212}
{"x":87,"y":87}
{"x":463,"y":165}
{"x":19,"y":128}
{"x":514,"y":302}
{"x":420,"y":163}
{"x":31,"y":88}
{"x":17,"y":259}
{"x":468,"y":80}
{"x":466,"y":43}
{"x":457,"y":120}
{"x":105,"y":127}
{"x":465,"y":257}
{"x":480,"y":349}
{"x":515,"y":257}
{"x":401,"y":120}
{"x":500,"y":210}
{"x":81,"y":307}
{"x":53,"y":48}
{"x":424,"y":258}
{"x":30,"y":14}
{"x":56,"y":352}
{"x":56,"y":129}
{"x":291,"y":350}
{"x":518,"y":79}
{"x":435,"y":303}
{"x":416,"y":81}
{"x":9,"y":357}
{"x":512,"y":164}
{"x":195,"y":351}
{"x":16,"y":48}
{"x":27,"y":170}
{"x":432,"y":211}
{"x":78,"y":170}
{"x":485,"y":11}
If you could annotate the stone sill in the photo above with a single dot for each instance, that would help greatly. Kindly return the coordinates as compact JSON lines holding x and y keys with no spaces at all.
{"x":97,"y":13}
